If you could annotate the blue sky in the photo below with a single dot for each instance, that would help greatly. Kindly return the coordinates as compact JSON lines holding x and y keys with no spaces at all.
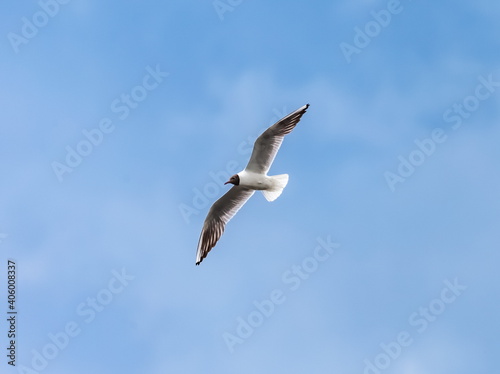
{"x":380,"y":255}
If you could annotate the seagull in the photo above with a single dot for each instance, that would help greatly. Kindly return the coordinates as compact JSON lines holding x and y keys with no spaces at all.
{"x":254,"y":177}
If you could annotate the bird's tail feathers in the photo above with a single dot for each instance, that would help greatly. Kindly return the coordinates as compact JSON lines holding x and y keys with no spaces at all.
{"x":279,"y":183}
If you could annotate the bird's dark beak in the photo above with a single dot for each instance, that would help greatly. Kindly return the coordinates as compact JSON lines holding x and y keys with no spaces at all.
{"x":227,"y":182}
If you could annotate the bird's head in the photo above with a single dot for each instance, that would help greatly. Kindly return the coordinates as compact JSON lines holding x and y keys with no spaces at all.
{"x":235,"y":179}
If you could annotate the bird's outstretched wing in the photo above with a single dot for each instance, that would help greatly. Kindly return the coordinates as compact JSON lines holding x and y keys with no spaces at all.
{"x":268,"y":143}
{"x":219,"y":214}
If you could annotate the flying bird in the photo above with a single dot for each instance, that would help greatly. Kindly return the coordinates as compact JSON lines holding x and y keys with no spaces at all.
{"x":246,"y":182}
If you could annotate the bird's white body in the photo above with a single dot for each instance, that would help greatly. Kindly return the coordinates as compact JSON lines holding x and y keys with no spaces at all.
{"x":271,"y":186}
{"x":255,"y":181}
